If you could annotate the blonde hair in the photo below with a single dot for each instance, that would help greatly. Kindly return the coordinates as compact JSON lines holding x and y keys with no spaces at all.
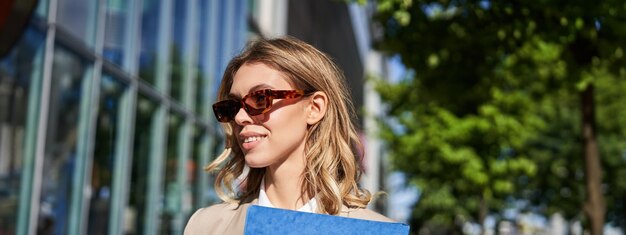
{"x":332,"y":150}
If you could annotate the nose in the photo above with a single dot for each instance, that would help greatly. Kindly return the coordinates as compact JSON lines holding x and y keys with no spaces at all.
{"x":242,"y":117}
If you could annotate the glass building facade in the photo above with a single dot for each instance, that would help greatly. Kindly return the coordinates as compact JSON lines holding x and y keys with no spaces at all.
{"x":105,"y":119}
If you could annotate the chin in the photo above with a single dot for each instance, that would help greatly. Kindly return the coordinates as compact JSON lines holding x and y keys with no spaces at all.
{"x":255,"y":164}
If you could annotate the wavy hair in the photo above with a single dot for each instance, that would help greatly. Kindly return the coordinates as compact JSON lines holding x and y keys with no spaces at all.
{"x":332,"y":149}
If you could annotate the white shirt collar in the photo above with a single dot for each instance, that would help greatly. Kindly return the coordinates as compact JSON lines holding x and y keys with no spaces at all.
{"x":309,"y":207}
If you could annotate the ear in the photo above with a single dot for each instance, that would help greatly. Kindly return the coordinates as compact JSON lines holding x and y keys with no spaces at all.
{"x":316,"y":109}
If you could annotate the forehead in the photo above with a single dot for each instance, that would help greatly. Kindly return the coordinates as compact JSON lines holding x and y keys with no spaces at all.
{"x":251,"y":77}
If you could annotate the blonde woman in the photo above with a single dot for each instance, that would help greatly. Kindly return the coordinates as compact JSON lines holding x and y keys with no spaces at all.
{"x":287,"y":115}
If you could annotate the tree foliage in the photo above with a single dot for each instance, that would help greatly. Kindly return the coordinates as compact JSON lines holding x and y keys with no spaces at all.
{"x":492,"y":112}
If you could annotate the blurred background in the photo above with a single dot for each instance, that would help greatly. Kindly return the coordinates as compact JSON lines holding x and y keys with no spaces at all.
{"x":478,"y":117}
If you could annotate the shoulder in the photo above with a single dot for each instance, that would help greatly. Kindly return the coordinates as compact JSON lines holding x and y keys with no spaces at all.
{"x":366,"y":214}
{"x":208,"y":212}
{"x":214,"y":218}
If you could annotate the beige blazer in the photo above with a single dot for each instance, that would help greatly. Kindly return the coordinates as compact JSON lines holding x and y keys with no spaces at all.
{"x":227,"y":218}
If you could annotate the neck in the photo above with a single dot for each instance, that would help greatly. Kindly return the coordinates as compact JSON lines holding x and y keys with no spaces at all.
{"x":283,"y":183}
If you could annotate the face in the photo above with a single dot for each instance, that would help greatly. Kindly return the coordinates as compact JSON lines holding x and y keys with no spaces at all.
{"x":277,"y":136}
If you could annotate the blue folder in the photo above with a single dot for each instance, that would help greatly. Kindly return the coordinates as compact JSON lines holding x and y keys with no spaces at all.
{"x":265,"y":220}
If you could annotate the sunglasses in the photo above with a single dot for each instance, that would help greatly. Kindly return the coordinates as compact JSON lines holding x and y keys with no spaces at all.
{"x":255,"y":103}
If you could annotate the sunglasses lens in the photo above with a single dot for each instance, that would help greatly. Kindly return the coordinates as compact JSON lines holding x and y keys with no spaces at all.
{"x":256,"y":103}
{"x":226,"y":110}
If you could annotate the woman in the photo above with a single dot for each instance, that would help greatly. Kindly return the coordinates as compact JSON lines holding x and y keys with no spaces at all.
{"x":287,"y":116}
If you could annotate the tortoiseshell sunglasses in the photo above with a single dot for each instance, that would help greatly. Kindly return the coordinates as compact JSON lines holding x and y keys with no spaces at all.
{"x":254,"y":103}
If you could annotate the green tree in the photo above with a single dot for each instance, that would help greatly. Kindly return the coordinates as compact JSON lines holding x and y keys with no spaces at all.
{"x":560,"y":185}
{"x":503,"y":90}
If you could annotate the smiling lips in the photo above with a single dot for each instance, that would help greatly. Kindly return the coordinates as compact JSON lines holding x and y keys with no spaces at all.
{"x":250,"y":141}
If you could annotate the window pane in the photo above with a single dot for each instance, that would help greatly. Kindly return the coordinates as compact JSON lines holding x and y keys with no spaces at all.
{"x":16,"y":70}
{"x":116,"y":21}
{"x":171,"y":200}
{"x":68,"y":72}
{"x":195,"y":168}
{"x":201,"y":86}
{"x":42,"y":8}
{"x":200,"y":181}
{"x":149,"y":38}
{"x":103,"y":155}
{"x":135,"y":212}
{"x":178,"y":48}
{"x":78,"y":18}
{"x":202,"y":95}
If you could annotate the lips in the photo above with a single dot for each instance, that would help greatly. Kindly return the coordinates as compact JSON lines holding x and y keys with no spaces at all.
{"x":252,"y":139}
{"x":249,"y":140}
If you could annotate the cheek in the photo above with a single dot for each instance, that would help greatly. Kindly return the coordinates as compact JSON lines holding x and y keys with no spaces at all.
{"x":292,"y":116}
{"x":288,"y":123}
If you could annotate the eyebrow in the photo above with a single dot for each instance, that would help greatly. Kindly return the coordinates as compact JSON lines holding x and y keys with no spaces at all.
{"x":252,"y":89}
